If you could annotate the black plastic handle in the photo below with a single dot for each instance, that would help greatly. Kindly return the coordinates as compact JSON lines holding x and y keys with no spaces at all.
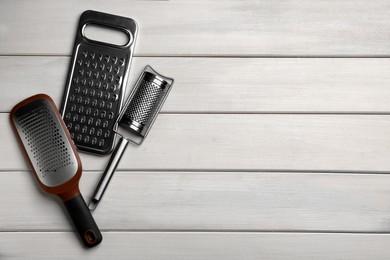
{"x":83,"y":221}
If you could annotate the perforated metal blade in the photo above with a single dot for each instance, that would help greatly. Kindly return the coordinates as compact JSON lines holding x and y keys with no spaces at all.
{"x":45,"y":141}
{"x":143,"y":105}
{"x":135,"y":120}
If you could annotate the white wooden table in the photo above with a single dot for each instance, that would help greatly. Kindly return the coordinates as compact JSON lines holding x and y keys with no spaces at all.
{"x":273,"y":144}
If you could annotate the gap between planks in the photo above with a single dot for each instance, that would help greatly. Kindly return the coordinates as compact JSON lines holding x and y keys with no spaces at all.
{"x":259,"y":171}
{"x":211,"y":56}
{"x":197,"y":231}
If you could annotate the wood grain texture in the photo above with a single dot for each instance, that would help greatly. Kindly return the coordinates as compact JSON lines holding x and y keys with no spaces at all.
{"x":213,"y":201}
{"x":190,"y":246}
{"x":233,"y":85}
{"x":270,"y":146}
{"x":244,"y":142}
{"x":232,"y":28}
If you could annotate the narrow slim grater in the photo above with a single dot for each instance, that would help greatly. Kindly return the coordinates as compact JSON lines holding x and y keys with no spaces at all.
{"x":96,"y":83}
{"x":135,"y":121}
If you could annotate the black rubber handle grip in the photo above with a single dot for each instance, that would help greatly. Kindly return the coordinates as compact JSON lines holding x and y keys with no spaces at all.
{"x":83,"y":221}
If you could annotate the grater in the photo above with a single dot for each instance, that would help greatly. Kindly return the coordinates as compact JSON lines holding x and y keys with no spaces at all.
{"x":135,"y":121}
{"x":54,"y":160}
{"x":96,"y":83}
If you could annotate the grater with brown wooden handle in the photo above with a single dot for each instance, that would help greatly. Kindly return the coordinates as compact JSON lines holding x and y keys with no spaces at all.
{"x":53,"y":159}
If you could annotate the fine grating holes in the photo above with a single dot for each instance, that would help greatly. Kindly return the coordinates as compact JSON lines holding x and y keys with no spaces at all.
{"x":144,"y":104}
{"x":44,"y":140}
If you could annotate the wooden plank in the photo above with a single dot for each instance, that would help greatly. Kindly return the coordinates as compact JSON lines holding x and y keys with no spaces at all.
{"x":171,"y":246}
{"x":245,"y":142}
{"x":245,"y":201}
{"x":252,"y":85}
{"x":293,"y":28}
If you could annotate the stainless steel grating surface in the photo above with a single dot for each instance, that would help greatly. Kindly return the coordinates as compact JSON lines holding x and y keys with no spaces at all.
{"x":94,"y":99}
{"x":143,"y":106}
{"x":46,"y":143}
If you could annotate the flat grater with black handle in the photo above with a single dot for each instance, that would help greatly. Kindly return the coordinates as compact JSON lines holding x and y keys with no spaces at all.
{"x":54,"y":160}
{"x":135,"y":121}
{"x":96,"y":83}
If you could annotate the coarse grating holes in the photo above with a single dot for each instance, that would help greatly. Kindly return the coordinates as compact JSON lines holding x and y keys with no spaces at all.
{"x":44,"y":140}
{"x":144,"y":103}
{"x":97,"y":83}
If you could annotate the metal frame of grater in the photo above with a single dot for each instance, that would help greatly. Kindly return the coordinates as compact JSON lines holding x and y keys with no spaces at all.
{"x":141,"y":130}
{"x":132,"y":135}
{"x":124,"y":24}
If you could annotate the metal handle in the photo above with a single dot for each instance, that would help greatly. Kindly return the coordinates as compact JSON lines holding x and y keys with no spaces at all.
{"x":125,"y":24}
{"x":110,"y":20}
{"x":108,"y":172}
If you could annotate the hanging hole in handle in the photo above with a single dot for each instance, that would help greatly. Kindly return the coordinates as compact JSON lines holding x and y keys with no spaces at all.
{"x":90,"y":236}
{"x":105,"y":34}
